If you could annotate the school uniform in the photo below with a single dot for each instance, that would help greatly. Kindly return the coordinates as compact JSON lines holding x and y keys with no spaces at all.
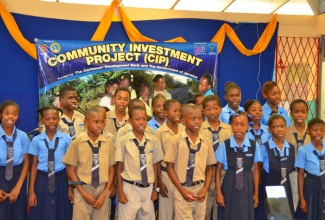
{"x":17,"y":210}
{"x":261,"y":136}
{"x":80,"y":155}
{"x":227,"y":112}
{"x":133,"y":94}
{"x":239,"y":203}
{"x":74,"y":126}
{"x":208,"y":92}
{"x":154,"y":124}
{"x":178,"y":152}
{"x":267,"y":112}
{"x":163,"y":92}
{"x":166,"y":205}
{"x":148,"y":107}
{"x":50,"y":205}
{"x":224,"y":133}
{"x":138,"y":194}
{"x":277,"y":164}
{"x":112,"y":124}
{"x":128,"y":128}
{"x":302,"y":139}
{"x":314,"y":190}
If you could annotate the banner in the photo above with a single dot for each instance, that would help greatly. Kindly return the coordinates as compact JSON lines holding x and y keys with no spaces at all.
{"x":88,"y":66}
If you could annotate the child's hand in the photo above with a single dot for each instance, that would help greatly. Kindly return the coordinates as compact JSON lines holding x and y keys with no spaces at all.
{"x":255,"y":200}
{"x":3,"y":195}
{"x":303,"y":206}
{"x":201,"y":195}
{"x":32,"y":199}
{"x":163,"y":190}
{"x":99,"y":202}
{"x":90,"y":199}
{"x":221,"y":200}
{"x":13,"y":194}
{"x":70,"y":194}
{"x":113,"y":191}
{"x":122,"y":197}
{"x":154,"y":195}
{"x":188,"y":195}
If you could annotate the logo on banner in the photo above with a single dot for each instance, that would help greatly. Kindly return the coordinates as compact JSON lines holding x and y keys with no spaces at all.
{"x":212,"y":49}
{"x":55,"y":48}
{"x":199,"y":48}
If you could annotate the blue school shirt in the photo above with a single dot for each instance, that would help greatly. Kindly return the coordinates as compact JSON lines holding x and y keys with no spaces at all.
{"x":208,"y":92}
{"x":267,"y":114}
{"x":154,"y":124}
{"x":38,"y":148}
{"x":265,"y":158}
{"x":221,"y":155}
{"x":307,"y":160}
{"x":227,"y":112}
{"x":263,"y":130}
{"x":21,"y":145}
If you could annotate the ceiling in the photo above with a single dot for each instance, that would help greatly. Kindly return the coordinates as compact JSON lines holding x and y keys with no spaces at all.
{"x":289,"y":7}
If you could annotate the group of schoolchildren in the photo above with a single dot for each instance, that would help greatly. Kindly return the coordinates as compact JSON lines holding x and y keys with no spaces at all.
{"x":201,"y":160}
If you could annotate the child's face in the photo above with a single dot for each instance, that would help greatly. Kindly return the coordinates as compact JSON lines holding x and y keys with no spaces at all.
{"x":103,"y":112}
{"x":50,"y":120}
{"x":112,"y":89}
{"x":145,"y":93}
{"x":161,"y":84}
{"x":95,"y":123}
{"x":69,"y":100}
{"x":203,"y":85}
{"x":174,"y":113}
{"x":299,"y":113}
{"x":121,"y":100}
{"x":255,"y":110}
{"x":125,"y":83}
{"x":138,"y":120}
{"x":317,"y":133}
{"x":212,"y":111}
{"x":193,"y":120}
{"x":273,"y":96}
{"x":158,"y":108}
{"x":233,"y":98}
{"x":199,"y":100}
{"x":278,"y":129}
{"x":9,"y":116}
{"x":239,"y":126}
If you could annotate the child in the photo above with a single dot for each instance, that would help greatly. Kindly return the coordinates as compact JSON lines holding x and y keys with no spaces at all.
{"x":160,"y":83}
{"x":145,"y":93}
{"x":48,"y":185}
{"x":72,"y":122}
{"x":125,"y":82}
{"x":233,"y":98}
{"x":137,"y":154}
{"x":189,"y":159}
{"x":14,"y":163}
{"x":272,"y":94}
{"x":257,"y":131}
{"x":310,"y":160}
{"x":297,"y":136}
{"x":238,"y":195}
{"x":90,"y":167}
{"x":216,"y":131}
{"x":158,"y":109}
{"x":278,"y":158}
{"x":169,"y":129}
{"x":118,"y":117}
{"x":111,"y":86}
{"x":205,"y":85}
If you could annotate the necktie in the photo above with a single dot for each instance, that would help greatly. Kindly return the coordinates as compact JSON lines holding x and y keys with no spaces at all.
{"x":258,"y":137}
{"x":215,"y":135}
{"x":143,"y":162}
{"x":283,"y":165}
{"x":95,"y":167}
{"x":299,"y":142}
{"x":115,"y":123}
{"x":51,"y":165}
{"x":273,"y":112}
{"x":321,"y":168}
{"x":71,"y":127}
{"x":240,"y":169}
{"x":10,"y":156}
{"x":191,"y":162}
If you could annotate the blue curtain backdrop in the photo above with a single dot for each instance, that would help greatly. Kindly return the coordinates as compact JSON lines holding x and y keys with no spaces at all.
{"x":19,"y":80}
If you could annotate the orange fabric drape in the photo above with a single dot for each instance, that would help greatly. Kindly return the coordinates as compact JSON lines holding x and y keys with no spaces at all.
{"x":135,"y":36}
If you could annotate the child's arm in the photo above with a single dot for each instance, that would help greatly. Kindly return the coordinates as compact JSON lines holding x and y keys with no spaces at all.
{"x":162,"y":186}
{"x":301,"y":182}
{"x":72,"y":175}
{"x":208,"y":177}
{"x":32,"y":199}
{"x":16,"y":190}
{"x":154,"y":194}
{"x":255,"y":175}
{"x":220,"y":199}
{"x":3,"y":195}
{"x":121,"y":195}
{"x":103,"y":196}
{"x":187,"y":195}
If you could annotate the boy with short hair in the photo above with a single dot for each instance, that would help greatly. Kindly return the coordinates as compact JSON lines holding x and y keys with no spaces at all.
{"x":189,"y":161}
{"x":72,"y":121}
{"x":169,"y":129}
{"x":90,"y":167}
{"x":158,"y":109}
{"x":137,"y":154}
{"x":145,"y":94}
